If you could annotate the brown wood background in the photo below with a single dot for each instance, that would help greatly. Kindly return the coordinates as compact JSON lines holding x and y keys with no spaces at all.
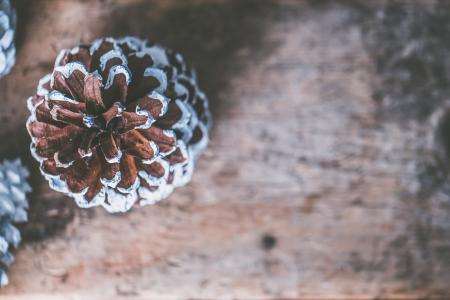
{"x":325,"y":177}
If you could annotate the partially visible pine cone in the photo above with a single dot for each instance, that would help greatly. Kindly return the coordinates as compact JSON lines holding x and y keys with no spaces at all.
{"x":118,"y":121}
{"x":7,"y":31}
{"x":13,"y":209}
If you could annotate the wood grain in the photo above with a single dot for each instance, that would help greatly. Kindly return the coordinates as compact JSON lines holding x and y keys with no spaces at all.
{"x":306,"y":190}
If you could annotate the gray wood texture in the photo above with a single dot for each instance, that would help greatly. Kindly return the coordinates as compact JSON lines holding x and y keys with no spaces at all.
{"x":317,"y":182}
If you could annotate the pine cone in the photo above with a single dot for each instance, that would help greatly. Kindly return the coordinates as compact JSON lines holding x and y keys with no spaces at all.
{"x":118,"y":121}
{"x":7,"y":30}
{"x":13,"y":209}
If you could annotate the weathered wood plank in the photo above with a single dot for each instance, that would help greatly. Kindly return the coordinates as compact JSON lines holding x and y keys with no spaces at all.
{"x":305,"y":191}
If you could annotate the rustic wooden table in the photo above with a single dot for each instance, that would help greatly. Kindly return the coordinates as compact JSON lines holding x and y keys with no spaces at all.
{"x":326,"y":172}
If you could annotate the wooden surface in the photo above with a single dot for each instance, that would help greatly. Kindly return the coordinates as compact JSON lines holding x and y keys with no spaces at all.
{"x":310,"y":188}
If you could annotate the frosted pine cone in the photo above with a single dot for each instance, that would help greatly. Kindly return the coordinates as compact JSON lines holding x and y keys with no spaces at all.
{"x":7,"y":30}
{"x":118,"y":121}
{"x":13,"y":209}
